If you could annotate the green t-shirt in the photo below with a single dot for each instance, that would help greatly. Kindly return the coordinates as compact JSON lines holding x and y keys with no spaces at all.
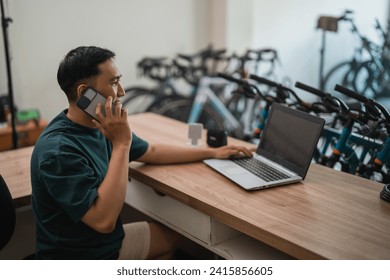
{"x":68,"y":164}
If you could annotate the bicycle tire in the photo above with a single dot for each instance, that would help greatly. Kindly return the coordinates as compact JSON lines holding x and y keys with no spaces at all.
{"x":138,"y":99}
{"x":179,"y":108}
{"x":342,"y":74}
{"x":363,"y":81}
{"x":384,"y":101}
{"x":369,"y":82}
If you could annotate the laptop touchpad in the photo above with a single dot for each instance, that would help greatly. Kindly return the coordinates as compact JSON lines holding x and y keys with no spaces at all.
{"x":233,"y":170}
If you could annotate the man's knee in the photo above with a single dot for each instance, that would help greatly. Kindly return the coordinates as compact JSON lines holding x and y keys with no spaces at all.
{"x":163,"y":241}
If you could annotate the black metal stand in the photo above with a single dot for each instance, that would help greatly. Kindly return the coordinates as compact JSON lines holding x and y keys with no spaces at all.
{"x":5,"y":22}
{"x":322,"y":59}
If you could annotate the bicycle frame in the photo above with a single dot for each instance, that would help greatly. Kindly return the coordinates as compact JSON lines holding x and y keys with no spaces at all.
{"x":263,"y":118}
{"x":205,"y":94}
{"x":379,"y":160}
{"x":346,"y":139}
{"x":384,"y":154}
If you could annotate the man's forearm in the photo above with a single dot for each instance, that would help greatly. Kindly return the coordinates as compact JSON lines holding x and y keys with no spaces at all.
{"x":165,"y":154}
{"x":104,"y":212}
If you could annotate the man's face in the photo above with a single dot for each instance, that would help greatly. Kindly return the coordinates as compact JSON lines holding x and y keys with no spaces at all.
{"x":108,"y":81}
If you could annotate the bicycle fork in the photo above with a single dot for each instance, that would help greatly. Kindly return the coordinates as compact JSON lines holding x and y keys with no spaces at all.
{"x":263,"y":118}
{"x":376,"y":165}
{"x":341,"y":146}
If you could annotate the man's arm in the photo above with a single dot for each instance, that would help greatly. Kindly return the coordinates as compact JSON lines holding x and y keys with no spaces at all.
{"x":104,"y":212}
{"x":165,"y":154}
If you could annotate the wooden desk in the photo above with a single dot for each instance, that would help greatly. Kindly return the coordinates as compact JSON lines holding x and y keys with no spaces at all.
{"x":27,"y":134}
{"x":331,"y":215}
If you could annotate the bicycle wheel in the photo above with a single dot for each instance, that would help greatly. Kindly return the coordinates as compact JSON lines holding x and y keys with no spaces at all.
{"x":179,"y":108}
{"x":138,"y":99}
{"x":371,"y":81}
{"x":342,"y":74}
{"x":364,"y":82}
{"x":384,"y":101}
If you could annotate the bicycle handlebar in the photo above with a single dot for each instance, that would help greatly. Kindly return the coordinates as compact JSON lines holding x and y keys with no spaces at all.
{"x":248,"y":89}
{"x":232,"y":79}
{"x":331,"y":103}
{"x":267,"y":54}
{"x":365,"y":100}
{"x":345,"y":15}
{"x":276,"y":85}
{"x":156,"y":68}
{"x":264,"y":81}
{"x":310,"y":89}
{"x":280,"y":89}
{"x":351,"y":93}
{"x":373,"y":111}
{"x":204,"y":54}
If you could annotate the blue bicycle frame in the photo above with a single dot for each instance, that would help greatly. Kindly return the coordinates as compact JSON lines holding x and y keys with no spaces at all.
{"x":203,"y":95}
{"x":343,"y":146}
{"x":383,"y":156}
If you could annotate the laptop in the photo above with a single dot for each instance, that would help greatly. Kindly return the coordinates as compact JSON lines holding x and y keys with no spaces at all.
{"x":283,"y":155}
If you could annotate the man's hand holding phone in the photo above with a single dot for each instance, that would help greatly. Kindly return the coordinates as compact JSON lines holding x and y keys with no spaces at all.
{"x":114,"y":124}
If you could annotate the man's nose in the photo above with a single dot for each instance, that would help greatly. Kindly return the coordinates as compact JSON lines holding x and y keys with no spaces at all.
{"x":121,"y":91}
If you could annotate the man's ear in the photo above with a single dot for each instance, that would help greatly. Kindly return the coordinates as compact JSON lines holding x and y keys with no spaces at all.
{"x":80,"y":89}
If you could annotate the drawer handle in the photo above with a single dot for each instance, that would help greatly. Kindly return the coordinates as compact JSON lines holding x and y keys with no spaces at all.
{"x":159,"y":193}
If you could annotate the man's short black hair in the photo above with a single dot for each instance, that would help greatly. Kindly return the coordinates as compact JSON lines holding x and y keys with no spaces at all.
{"x":79,"y":64}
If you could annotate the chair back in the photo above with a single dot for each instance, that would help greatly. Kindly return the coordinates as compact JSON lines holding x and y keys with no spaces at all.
{"x":7,"y":214}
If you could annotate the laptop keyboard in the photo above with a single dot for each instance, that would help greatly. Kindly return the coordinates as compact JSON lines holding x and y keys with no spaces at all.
{"x":260,"y":169}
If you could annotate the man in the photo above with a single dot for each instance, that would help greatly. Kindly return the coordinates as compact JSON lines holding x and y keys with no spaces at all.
{"x":79,"y":171}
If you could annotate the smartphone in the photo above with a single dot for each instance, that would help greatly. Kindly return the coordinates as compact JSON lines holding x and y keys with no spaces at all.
{"x":89,"y":101}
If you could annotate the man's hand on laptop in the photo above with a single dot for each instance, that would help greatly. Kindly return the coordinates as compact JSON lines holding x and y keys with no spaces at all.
{"x":232,"y":151}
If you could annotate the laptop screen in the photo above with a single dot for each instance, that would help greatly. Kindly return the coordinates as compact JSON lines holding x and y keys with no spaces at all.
{"x":290,"y":138}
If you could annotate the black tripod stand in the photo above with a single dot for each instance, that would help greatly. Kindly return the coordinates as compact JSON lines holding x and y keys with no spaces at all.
{"x":328,"y":23}
{"x":5,"y":22}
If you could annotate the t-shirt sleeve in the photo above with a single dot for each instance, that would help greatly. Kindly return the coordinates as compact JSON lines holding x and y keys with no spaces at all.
{"x":138,"y":147}
{"x":71,"y":182}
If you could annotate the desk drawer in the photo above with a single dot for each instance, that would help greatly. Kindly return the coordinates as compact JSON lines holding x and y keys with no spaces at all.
{"x":169,"y":211}
{"x":199,"y":227}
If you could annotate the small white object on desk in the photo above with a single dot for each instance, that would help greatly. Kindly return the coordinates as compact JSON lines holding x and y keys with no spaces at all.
{"x":195,"y":134}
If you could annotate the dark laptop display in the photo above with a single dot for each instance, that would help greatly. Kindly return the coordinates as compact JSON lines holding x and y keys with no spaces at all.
{"x":290,"y":138}
{"x":287,"y":145}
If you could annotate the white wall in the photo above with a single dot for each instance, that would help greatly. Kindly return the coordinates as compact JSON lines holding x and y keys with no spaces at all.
{"x":44,"y":30}
{"x":290,"y":27}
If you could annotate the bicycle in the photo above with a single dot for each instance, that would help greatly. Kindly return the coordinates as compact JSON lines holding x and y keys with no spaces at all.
{"x":205,"y":107}
{"x":210,"y":100}
{"x":166,"y":72}
{"x":380,"y":160}
{"x":333,"y":110}
{"x":367,"y":76}
{"x":256,"y":117}
{"x":344,"y":151}
{"x":222,"y":113}
{"x":371,"y":77}
{"x":139,"y":99}
{"x":282,"y":94}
